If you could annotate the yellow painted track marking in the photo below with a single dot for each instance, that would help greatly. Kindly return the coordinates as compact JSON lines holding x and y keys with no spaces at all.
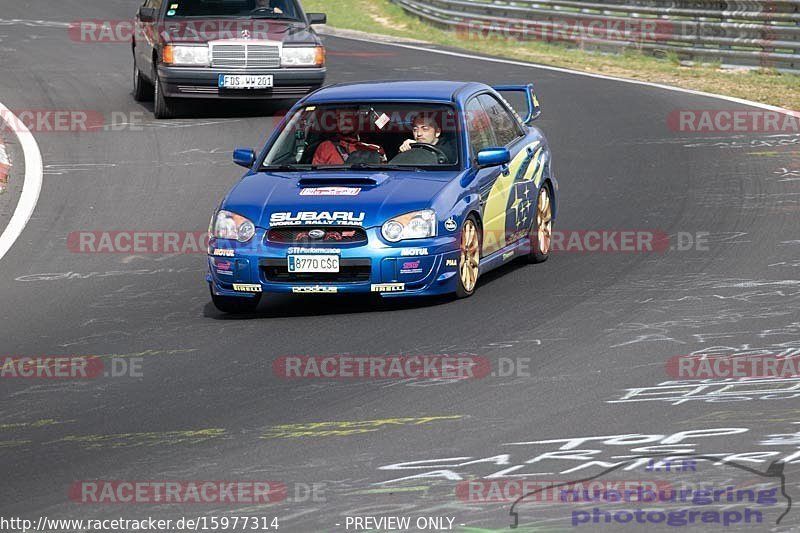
{"x":345,"y":428}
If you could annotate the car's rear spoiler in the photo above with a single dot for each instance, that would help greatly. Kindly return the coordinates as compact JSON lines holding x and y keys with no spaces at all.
{"x":534,"y":109}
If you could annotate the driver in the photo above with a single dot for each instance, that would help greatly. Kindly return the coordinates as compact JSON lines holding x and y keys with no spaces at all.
{"x":337,"y":150}
{"x":427,"y":131}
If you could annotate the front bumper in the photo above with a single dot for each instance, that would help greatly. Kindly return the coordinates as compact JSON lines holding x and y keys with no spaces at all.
{"x":194,"y":82}
{"x":410,"y":268}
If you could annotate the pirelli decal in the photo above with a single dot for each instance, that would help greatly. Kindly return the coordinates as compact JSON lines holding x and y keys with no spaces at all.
{"x":246,"y":287}
{"x":388,"y":287}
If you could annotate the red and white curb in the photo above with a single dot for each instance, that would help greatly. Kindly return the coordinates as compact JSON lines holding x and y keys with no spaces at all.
{"x":31,"y":186}
{"x":5,"y":165}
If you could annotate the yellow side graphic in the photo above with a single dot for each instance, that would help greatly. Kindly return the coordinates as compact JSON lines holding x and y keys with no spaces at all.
{"x":535,"y":166}
{"x":494,"y":212}
{"x":539,"y":172}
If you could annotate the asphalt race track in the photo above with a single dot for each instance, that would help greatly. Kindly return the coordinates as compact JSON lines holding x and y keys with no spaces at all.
{"x":205,"y":404}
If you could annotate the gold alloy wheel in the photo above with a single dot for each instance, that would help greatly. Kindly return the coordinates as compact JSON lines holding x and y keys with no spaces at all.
{"x":470,"y":255}
{"x":544,"y":220}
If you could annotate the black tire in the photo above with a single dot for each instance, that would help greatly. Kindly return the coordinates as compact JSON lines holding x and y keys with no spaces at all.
{"x":142,"y":88}
{"x":234,"y":305}
{"x":540,"y":242}
{"x":463,"y":288}
{"x":163,"y":108}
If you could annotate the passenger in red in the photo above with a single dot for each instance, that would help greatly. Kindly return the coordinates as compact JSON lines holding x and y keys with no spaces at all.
{"x":337,"y":150}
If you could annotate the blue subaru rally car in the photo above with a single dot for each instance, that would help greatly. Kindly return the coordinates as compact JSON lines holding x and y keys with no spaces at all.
{"x":401,"y":188}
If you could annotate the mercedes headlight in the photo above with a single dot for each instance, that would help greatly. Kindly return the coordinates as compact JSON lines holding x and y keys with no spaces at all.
{"x":232,"y":226}
{"x":186,"y":56}
{"x":414,"y":225}
{"x":303,"y":56}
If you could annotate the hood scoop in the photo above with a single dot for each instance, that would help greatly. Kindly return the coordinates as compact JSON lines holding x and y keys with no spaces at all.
{"x":341,"y":181}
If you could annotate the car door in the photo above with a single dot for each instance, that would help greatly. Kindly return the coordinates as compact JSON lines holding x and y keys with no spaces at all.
{"x":480,"y":134}
{"x":500,"y":194}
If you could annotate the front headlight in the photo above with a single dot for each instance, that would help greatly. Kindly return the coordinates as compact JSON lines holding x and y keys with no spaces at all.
{"x":232,"y":226}
{"x":190,"y":56}
{"x":414,"y":225}
{"x":303,"y":56}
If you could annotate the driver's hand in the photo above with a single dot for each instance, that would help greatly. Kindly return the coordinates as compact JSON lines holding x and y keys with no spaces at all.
{"x":277,"y":10}
{"x":406,"y":146}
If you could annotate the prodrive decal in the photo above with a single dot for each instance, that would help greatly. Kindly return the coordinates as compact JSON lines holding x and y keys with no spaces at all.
{"x":288,"y":218}
{"x":316,"y":289}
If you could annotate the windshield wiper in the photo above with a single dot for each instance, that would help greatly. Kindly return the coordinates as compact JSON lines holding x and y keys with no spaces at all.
{"x":340,"y":168}
{"x":368,"y":166}
{"x":328,"y":167}
{"x":285,"y":168}
{"x":302,"y":167}
{"x":271,"y":16}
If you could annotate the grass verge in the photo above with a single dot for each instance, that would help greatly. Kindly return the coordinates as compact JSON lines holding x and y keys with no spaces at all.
{"x":383,"y":17}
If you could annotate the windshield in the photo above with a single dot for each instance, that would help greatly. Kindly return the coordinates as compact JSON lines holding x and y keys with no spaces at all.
{"x":280,"y":9}
{"x":372,"y":135}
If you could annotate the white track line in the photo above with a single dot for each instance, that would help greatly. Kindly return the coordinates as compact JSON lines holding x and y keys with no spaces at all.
{"x":568,"y":71}
{"x":31,"y":187}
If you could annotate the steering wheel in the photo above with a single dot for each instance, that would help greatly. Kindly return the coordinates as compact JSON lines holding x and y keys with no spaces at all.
{"x":441,"y":157}
{"x":264,"y":10}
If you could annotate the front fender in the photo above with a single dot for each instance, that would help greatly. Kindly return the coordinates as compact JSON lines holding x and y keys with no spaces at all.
{"x":456,"y":201}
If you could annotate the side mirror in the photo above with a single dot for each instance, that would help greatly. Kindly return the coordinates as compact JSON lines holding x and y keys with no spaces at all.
{"x":244,"y":157}
{"x":317,"y":18}
{"x":493,"y":157}
{"x":147,"y":14}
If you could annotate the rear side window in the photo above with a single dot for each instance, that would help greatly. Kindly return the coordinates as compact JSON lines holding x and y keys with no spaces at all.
{"x":479,"y":127}
{"x":505,"y":126}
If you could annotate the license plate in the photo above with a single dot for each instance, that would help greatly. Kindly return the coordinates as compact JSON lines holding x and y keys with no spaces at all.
{"x":242,"y":81}
{"x":313,"y":263}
